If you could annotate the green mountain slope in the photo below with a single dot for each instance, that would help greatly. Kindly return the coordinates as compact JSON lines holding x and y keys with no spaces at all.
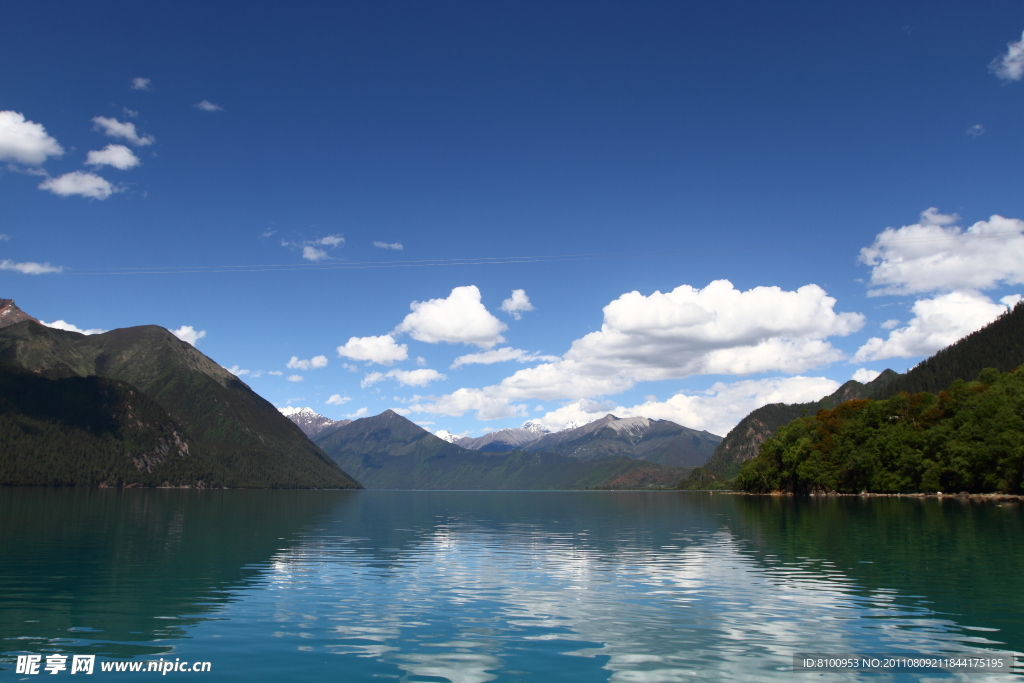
{"x":388,"y":451}
{"x":968,"y":438}
{"x":999,"y":345}
{"x":92,"y":431}
{"x":253,"y":444}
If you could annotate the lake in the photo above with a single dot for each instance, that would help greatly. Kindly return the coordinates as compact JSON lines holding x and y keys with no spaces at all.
{"x":470,"y":587}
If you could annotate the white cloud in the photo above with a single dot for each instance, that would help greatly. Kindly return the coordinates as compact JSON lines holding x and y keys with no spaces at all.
{"x":68,"y":327}
{"x":461,"y":318}
{"x":275,"y":373}
{"x":24,"y":141}
{"x":331,"y":241}
{"x":688,"y":331}
{"x":337,"y":400}
{"x":409,"y":378}
{"x":130,"y":112}
{"x":976,"y":131}
{"x":358,"y":414}
{"x":118,"y":156}
{"x":890,"y":324}
{"x":207,"y":105}
{"x":237,"y":371}
{"x":312,"y":363}
{"x":517,"y":304}
{"x":187,"y":333}
{"x":863,"y":375}
{"x":388,"y":245}
{"x":1010,"y":65}
{"x":313,"y":254}
{"x":937,"y":323}
{"x":934,"y":254}
{"x":141,"y":84}
{"x":1011,"y":300}
{"x":126,"y":130}
{"x":294,"y":378}
{"x":3,"y":237}
{"x":501,"y":355}
{"x":382,"y":350}
{"x":78,"y":182}
{"x":30,"y":267}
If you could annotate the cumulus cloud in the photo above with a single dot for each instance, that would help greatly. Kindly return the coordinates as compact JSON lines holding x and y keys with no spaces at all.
{"x":312,"y":363}
{"x":409,"y":378}
{"x":863,"y":375}
{"x":976,"y":131}
{"x":207,"y":105}
{"x":79,"y":183}
{"x":362,"y":412}
{"x":118,"y":156}
{"x":68,"y":327}
{"x":337,"y":400}
{"x":126,"y":130}
{"x":1009,"y":66}
{"x":460,"y":318}
{"x":688,"y":331}
{"x":187,"y":333}
{"x":142,"y":84}
{"x":237,"y":371}
{"x":517,"y":304}
{"x":388,"y":245}
{"x":311,"y":250}
{"x":934,"y":254}
{"x":24,"y":141}
{"x":382,"y":350}
{"x":890,"y":324}
{"x":294,"y":378}
{"x":276,"y":373}
{"x":30,"y":267}
{"x":937,"y":323}
{"x":331,"y":241}
{"x":501,"y":355}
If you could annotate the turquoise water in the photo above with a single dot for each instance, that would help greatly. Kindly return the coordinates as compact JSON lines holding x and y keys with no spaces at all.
{"x":471,"y":587}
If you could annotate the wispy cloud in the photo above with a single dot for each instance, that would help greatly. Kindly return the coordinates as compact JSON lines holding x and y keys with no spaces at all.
{"x":142,"y":84}
{"x":207,"y":105}
{"x":337,"y":400}
{"x":311,"y":250}
{"x":388,"y":245}
{"x":976,"y":131}
{"x":122,"y":129}
{"x":236,"y":371}
{"x":294,"y":378}
{"x":1009,"y":66}
{"x":30,"y":267}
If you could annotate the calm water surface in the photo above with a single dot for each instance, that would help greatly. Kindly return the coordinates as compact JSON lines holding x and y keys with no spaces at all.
{"x":471,"y":587}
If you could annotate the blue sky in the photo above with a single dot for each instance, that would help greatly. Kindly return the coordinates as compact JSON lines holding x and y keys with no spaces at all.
{"x":578,"y":152}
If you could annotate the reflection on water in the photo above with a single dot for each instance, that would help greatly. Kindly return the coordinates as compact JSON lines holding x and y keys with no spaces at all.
{"x":472,"y":587}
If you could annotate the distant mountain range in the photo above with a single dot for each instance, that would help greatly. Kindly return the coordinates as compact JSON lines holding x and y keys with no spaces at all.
{"x":309,"y":421}
{"x":390,"y":451}
{"x":139,"y":407}
{"x":999,"y":345}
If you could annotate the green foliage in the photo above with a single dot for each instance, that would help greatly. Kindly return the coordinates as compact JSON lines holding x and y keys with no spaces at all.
{"x":701,"y":479}
{"x":968,"y":438}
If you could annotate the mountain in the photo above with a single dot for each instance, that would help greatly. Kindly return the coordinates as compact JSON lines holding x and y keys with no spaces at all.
{"x":389,"y":451}
{"x":660,"y":441}
{"x":504,"y":439}
{"x":999,"y":345}
{"x":309,"y":421}
{"x":10,"y":314}
{"x":244,"y":437}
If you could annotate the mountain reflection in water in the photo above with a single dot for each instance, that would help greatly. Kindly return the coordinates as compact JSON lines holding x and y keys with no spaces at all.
{"x":479,"y":586}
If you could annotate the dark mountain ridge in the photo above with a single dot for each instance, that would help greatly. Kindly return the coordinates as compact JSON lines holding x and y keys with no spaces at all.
{"x":251,"y":443}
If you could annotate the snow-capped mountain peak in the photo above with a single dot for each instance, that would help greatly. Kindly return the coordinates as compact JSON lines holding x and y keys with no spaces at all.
{"x":308,"y":420}
{"x":535,"y":427}
{"x":445,"y":435}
